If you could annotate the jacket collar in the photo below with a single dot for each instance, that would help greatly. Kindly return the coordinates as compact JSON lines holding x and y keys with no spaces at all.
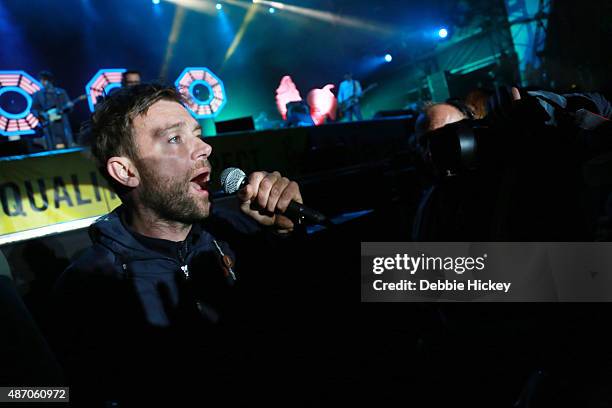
{"x":111,"y":232}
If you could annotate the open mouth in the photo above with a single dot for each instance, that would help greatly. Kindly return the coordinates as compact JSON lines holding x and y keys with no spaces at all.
{"x":200,"y":182}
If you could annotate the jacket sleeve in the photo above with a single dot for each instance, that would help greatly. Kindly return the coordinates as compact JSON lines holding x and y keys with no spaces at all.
{"x":37,"y":108}
{"x":591,"y":101}
{"x":342,"y":92}
{"x":66,"y":102}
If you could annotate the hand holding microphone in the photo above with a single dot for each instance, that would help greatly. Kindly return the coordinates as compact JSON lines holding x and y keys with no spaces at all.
{"x":269,"y":198}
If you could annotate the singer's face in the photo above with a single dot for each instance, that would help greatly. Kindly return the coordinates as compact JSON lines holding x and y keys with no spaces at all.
{"x":172,"y":163}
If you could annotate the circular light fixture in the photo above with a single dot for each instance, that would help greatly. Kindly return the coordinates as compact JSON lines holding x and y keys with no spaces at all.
{"x":17,"y":84}
{"x":191,"y":83}
{"x":101,"y":84}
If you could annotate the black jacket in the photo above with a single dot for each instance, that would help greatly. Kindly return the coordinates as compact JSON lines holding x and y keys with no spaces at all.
{"x":129,"y":314}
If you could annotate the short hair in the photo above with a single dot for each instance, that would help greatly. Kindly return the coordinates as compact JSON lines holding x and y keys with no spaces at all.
{"x":128,"y":72}
{"x":48,"y":75}
{"x":477,"y":100}
{"x":465,"y":109}
{"x":110,"y":129}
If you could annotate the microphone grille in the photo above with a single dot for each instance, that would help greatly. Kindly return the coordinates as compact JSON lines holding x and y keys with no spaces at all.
{"x":231,"y":179}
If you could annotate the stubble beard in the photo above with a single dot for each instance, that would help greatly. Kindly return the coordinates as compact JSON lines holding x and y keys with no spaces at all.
{"x":170,"y":199}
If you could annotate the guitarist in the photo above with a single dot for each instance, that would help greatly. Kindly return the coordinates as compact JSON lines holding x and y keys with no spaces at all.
{"x":348,"y":98}
{"x":51,"y":105}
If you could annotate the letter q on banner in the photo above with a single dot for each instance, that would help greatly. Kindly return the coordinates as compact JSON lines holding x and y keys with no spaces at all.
{"x":16,"y":90}
{"x":203,"y":91}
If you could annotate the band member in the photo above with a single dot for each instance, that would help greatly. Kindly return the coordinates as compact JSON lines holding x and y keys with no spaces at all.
{"x":130,"y":78}
{"x":51,"y":105}
{"x":348,"y":98}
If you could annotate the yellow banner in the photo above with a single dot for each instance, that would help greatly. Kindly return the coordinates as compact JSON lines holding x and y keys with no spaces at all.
{"x":48,"y":192}
{"x":47,"y":189}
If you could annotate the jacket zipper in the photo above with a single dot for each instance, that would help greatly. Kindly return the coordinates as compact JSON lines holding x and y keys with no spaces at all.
{"x":185,"y":267}
{"x":225,"y":259}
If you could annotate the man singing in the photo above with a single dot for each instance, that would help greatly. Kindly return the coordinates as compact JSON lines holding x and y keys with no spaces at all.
{"x":143,"y":302}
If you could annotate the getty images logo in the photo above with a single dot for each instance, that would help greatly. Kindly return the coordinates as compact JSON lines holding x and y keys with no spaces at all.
{"x":411,"y":264}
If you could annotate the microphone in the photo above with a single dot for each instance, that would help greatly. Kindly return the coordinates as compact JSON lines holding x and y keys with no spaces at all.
{"x":233,"y":179}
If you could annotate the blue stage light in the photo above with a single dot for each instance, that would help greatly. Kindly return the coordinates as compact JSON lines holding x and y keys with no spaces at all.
{"x":102,"y":83}
{"x":443,"y":33}
{"x":219,"y":6}
{"x":272,"y":10}
{"x":388,"y":58}
{"x":155,"y":1}
{"x":192,"y":82}
{"x":15,"y":116}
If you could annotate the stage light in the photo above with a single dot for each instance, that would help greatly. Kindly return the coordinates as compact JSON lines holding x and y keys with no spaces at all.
{"x":203,"y":91}
{"x":155,"y":1}
{"x":15,"y":116}
{"x":321,"y":15}
{"x":243,"y":27}
{"x":443,"y":33}
{"x":102,"y":83}
{"x":388,"y":58}
{"x":272,"y":10}
{"x":175,"y":33}
{"x":226,"y":30}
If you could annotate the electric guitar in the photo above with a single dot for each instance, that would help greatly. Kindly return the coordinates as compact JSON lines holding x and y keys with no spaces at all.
{"x":354,"y":100}
{"x":55,"y":114}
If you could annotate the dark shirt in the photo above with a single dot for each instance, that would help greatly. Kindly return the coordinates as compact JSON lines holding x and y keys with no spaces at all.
{"x":48,"y":98}
{"x":171,"y":249}
{"x":59,"y":131}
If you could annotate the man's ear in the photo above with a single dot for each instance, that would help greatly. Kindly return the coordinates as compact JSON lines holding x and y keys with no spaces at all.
{"x":123,"y":170}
